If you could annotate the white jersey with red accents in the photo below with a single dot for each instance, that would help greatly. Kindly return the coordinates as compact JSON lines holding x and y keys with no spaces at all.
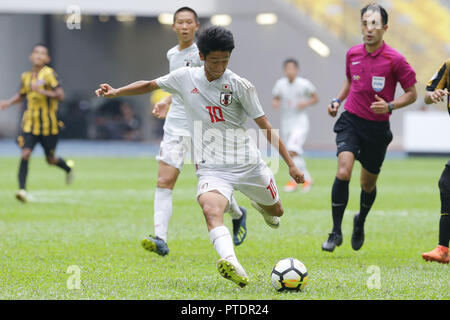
{"x":175,"y":123}
{"x":290,"y":94}
{"x":216,"y":112}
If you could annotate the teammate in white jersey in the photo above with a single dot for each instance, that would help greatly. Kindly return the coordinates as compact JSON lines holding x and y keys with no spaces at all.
{"x":217,"y":103}
{"x":176,"y":140}
{"x":293,"y":94}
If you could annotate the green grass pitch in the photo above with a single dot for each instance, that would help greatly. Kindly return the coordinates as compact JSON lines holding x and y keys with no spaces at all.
{"x":97,"y":224}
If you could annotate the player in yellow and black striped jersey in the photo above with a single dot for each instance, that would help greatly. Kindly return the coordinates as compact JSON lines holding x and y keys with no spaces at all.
{"x":437,"y":89}
{"x":40,"y":91}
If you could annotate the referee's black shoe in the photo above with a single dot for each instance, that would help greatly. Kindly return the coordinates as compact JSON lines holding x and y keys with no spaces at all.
{"x":358,"y":233}
{"x":334,"y":240}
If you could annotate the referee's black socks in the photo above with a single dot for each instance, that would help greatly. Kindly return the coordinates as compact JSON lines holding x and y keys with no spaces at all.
{"x":366,"y":201}
{"x":23,"y":172}
{"x":339,"y":199}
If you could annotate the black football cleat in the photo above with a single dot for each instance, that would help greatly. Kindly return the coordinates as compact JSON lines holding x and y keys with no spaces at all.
{"x":240,"y":228}
{"x":155,"y":244}
{"x":358,"y":234}
{"x":334,"y":240}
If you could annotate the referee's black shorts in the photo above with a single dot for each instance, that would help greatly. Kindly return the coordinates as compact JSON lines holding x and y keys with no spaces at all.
{"x":28,"y":141}
{"x":367,"y":140}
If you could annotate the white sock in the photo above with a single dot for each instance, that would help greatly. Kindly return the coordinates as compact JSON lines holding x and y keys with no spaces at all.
{"x":301,"y":164}
{"x":221,"y":239}
{"x":234,"y":211}
{"x":163,"y":212}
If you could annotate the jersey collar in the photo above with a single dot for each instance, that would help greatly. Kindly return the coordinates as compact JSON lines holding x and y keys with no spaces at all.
{"x":186,"y":49}
{"x":376,"y":52}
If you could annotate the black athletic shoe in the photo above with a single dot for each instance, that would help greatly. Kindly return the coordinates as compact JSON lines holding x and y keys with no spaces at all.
{"x":155,"y":244}
{"x":240,"y":228}
{"x":334,"y":240}
{"x":358,"y":234}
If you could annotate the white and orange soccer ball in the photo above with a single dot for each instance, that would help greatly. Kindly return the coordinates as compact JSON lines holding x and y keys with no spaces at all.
{"x":289,"y":275}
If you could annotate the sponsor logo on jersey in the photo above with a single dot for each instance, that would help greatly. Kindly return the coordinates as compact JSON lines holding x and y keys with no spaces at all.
{"x":195,"y":91}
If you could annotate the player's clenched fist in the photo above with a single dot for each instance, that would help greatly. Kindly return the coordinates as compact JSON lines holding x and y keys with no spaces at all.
{"x":296,"y":174}
{"x":437,"y":95}
{"x":106,"y":91}
{"x":333,"y":108}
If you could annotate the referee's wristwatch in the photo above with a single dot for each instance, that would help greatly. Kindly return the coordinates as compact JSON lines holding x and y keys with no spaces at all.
{"x":391,"y":106}
{"x":336,"y":100}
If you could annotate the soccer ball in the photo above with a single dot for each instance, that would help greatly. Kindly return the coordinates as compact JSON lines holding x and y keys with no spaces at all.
{"x":289,"y":275}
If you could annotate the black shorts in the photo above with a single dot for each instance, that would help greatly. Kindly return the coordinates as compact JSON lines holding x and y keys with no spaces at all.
{"x":29,"y":141}
{"x":367,"y":140}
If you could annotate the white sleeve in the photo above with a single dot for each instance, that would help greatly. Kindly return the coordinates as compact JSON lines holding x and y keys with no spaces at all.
{"x":276,"y":91}
{"x":310,"y":88}
{"x":169,"y":54}
{"x":171,"y":82}
{"x":249,"y":99}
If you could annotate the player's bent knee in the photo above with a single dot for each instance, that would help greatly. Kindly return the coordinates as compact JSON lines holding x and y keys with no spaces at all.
{"x":166,"y":182}
{"x":277,"y":209}
{"x":211,"y":211}
{"x":279,"y":212}
{"x":26,"y":154}
{"x":344,"y":174}
{"x":368,"y":186}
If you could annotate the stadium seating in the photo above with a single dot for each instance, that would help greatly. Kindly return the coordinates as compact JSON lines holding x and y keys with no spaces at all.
{"x":418,"y":29}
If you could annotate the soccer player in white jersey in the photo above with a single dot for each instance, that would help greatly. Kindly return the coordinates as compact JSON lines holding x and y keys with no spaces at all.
{"x":292,"y":95}
{"x":176,"y":140}
{"x":217,"y":103}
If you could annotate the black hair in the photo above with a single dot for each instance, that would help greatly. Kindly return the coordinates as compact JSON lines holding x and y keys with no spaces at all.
{"x":182,"y":9}
{"x":291,"y":60}
{"x":383,"y":12}
{"x":39,"y":44}
{"x":215,"y":38}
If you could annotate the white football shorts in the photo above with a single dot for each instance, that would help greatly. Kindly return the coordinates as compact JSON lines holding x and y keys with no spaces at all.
{"x":295,"y":136}
{"x":258,"y":183}
{"x":174,"y":149}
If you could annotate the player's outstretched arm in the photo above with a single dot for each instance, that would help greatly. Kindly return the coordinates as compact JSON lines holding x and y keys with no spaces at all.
{"x":13,"y":100}
{"x":275,"y":140}
{"x":435,"y":96}
{"x":343,"y":93}
{"x":135,"y":88}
